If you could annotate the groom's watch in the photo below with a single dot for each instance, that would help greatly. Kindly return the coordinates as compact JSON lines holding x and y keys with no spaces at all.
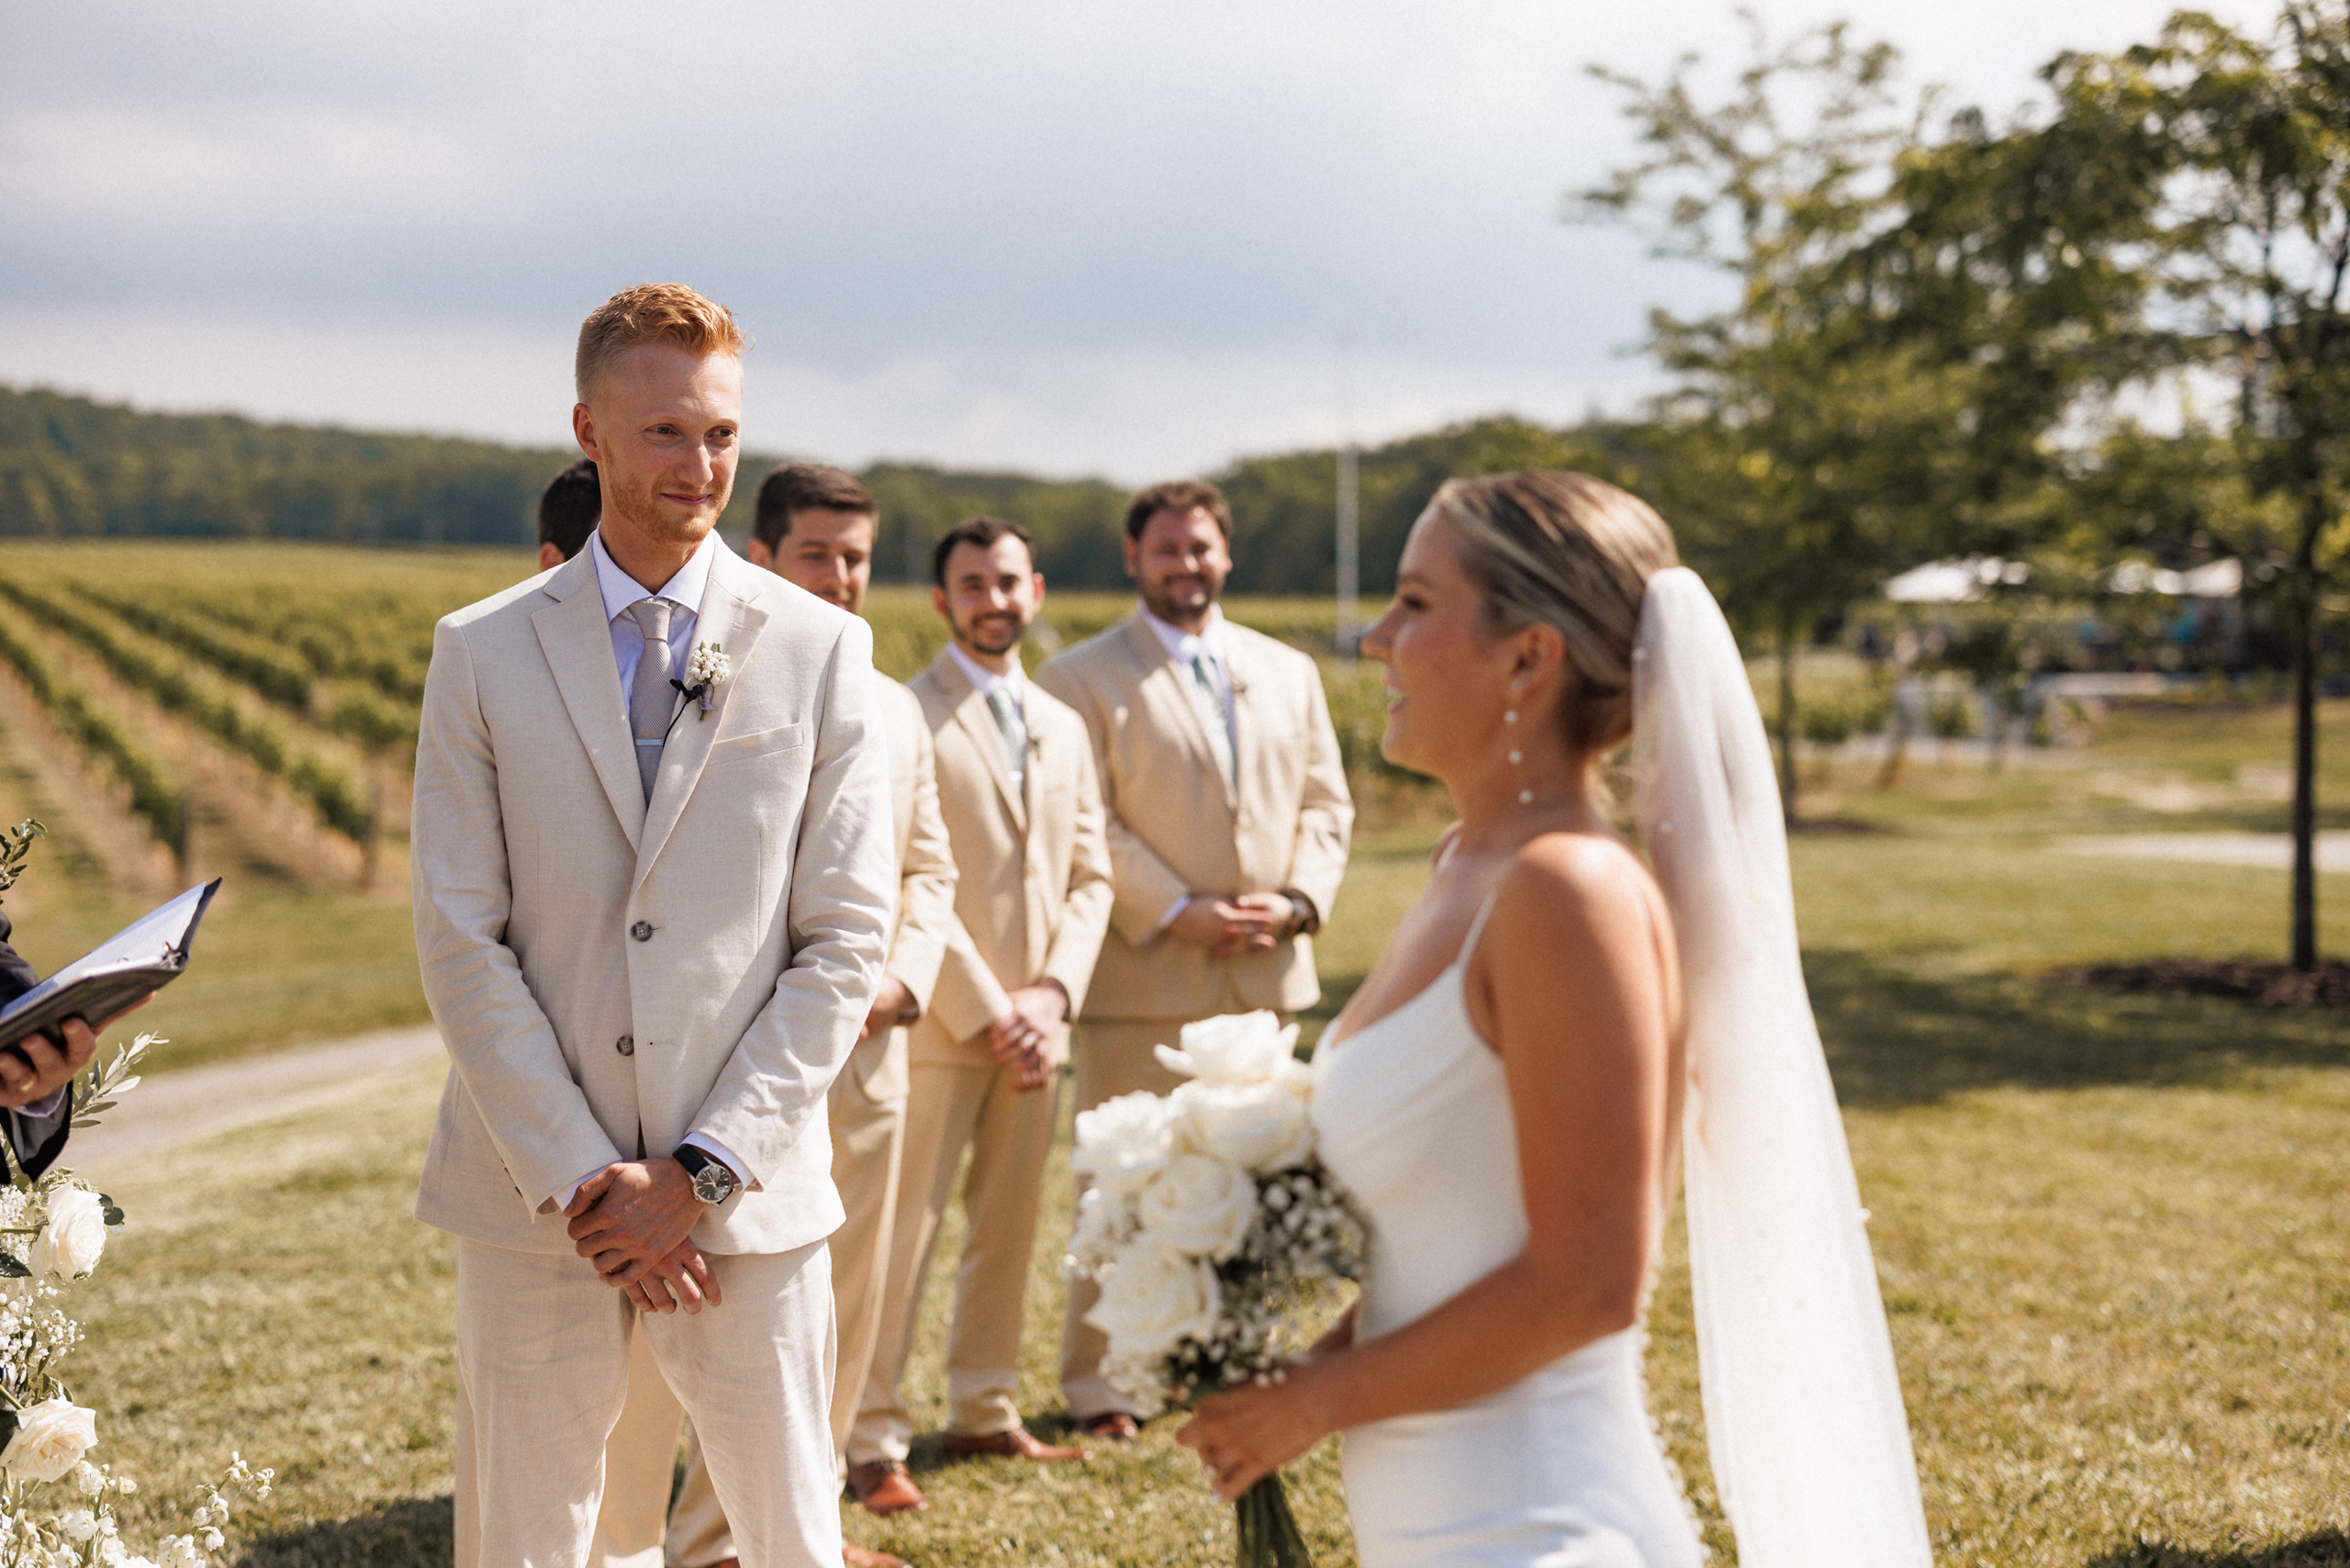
{"x":713,"y":1182}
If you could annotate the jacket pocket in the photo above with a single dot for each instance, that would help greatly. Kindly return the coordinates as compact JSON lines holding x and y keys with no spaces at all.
{"x":766,"y":743}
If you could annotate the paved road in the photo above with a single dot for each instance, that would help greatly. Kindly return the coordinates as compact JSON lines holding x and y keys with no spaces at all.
{"x":174,"y":1107}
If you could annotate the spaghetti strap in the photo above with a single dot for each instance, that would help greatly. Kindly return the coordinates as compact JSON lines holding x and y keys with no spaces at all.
{"x":1477,"y":926}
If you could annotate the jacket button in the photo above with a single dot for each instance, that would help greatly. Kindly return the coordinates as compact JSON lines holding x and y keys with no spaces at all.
{"x":625,"y":1044}
{"x":642,"y":931}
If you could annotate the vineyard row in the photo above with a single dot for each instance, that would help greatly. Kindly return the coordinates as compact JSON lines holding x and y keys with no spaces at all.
{"x":105,"y":742}
{"x":205,"y":701}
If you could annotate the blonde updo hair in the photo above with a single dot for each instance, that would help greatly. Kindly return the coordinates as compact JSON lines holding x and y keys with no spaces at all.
{"x":1574,"y":553}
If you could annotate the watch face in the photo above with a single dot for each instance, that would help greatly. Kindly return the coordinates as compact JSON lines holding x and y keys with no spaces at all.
{"x":713,"y":1184}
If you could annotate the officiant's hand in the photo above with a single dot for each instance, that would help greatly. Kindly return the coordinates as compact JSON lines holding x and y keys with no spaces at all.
{"x":44,"y":1070}
{"x":687,"y":1273}
{"x":628,"y":1216}
{"x":1243,"y":1435}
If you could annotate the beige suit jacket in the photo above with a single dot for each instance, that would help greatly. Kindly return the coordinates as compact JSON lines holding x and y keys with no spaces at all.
{"x":1177,"y":827}
{"x":1032,"y":871}
{"x":610,"y":973}
{"x":926,"y":925}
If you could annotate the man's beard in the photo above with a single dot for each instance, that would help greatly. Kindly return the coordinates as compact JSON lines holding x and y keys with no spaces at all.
{"x":641,"y":511}
{"x":980,"y":631}
{"x":1160,"y":603}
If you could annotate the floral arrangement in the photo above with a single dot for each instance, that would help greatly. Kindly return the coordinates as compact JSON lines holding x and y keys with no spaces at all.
{"x":57,"y":1510}
{"x":1209,"y":1224}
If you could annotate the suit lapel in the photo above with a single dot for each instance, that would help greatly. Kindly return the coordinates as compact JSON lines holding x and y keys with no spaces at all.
{"x":978,"y":721}
{"x":577,"y":642}
{"x":730,"y":619}
{"x":1170,"y":684}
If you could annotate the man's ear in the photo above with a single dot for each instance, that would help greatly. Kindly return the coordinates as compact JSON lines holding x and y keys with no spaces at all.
{"x":758,"y":554}
{"x":1134,"y":561}
{"x":938,"y":602}
{"x":550,"y":557}
{"x":583,"y":430}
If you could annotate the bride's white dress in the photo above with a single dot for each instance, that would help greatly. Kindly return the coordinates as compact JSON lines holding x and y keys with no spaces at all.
{"x":1561,"y":1468}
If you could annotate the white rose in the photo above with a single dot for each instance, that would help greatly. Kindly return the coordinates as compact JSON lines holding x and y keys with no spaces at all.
{"x":1261,"y":1127}
{"x":87,"y":1481}
{"x":1200,"y":1206}
{"x":52,"y":1437}
{"x":1153,"y":1298}
{"x":1238,"y":1047}
{"x":78,"y":1524}
{"x":1122,"y":1143}
{"x":69,"y":1245}
{"x":1105,"y":1222}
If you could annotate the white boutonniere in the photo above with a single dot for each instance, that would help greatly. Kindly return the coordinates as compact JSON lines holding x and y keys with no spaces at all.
{"x":705,"y":673}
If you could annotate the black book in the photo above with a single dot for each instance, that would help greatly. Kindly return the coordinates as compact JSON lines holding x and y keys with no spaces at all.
{"x":145,"y":956}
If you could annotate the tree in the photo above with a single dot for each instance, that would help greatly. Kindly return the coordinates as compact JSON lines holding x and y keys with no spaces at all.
{"x":1811,"y":451}
{"x":2183,"y":212}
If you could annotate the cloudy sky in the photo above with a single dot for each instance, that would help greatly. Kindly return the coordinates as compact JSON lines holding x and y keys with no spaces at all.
{"x":1073,"y":236}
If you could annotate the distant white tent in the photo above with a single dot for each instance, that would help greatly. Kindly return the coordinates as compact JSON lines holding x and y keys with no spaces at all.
{"x":1954,"y":582}
{"x":2213,"y":579}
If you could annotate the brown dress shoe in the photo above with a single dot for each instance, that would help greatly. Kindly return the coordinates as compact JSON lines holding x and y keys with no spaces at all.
{"x":857,"y":1556}
{"x":884,"y":1487}
{"x":1017,"y":1443}
{"x":1110,"y":1427}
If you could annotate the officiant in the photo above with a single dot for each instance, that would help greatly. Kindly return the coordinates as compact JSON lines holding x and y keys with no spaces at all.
{"x":35,"y":1078}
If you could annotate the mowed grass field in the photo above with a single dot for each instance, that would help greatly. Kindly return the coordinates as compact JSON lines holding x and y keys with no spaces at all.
{"x":2113,"y":1232}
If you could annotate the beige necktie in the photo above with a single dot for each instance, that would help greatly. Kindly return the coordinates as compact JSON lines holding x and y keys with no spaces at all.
{"x":650,"y":698}
{"x":1015,"y":740}
{"x":1216,"y":717}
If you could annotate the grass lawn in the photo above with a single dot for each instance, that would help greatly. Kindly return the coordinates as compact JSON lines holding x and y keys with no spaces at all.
{"x":2113,"y":1231}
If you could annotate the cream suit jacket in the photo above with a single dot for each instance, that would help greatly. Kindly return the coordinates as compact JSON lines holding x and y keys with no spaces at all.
{"x":1176,"y":825}
{"x":612,"y":973}
{"x":1032,"y":872}
{"x":926,"y":925}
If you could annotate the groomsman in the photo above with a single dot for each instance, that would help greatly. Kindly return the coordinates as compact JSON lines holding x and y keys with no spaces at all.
{"x":568,"y":509}
{"x":1023,"y":812}
{"x":814,"y":527}
{"x":1227,"y":817}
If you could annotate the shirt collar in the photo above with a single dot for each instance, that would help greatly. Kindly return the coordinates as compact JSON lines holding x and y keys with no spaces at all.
{"x":1181,"y":645}
{"x":983,"y":679}
{"x":684,"y":590}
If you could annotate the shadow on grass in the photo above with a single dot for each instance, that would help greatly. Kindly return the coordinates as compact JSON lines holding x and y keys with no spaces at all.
{"x":2327,"y":1549}
{"x":419,"y":1533}
{"x":1896,"y":1037}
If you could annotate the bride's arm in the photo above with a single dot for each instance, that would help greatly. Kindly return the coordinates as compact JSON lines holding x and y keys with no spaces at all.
{"x":1566,"y":982}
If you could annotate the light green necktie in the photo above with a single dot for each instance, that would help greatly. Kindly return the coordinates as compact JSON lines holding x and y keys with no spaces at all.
{"x":1221,"y":740}
{"x":1015,"y":740}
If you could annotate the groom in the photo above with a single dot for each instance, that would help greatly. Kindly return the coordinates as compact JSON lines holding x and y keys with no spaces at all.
{"x":653,"y":883}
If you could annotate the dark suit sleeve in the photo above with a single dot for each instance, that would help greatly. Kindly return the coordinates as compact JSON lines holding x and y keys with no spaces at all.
{"x":36,"y":1141}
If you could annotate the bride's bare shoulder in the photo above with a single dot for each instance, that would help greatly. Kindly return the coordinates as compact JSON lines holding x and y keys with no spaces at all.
{"x":1571,"y":888}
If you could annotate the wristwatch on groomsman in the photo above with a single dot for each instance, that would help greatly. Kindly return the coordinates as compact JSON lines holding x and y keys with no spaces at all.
{"x":1305,"y":920}
{"x":713,"y":1182}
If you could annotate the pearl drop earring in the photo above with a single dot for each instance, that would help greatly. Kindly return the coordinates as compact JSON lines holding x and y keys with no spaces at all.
{"x":1516,"y":757}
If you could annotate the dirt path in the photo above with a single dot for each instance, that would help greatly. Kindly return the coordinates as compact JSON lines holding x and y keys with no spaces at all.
{"x":175,"y":1107}
{"x":2270,"y":850}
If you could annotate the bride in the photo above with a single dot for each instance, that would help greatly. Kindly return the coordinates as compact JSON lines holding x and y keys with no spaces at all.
{"x":1508,"y":1094}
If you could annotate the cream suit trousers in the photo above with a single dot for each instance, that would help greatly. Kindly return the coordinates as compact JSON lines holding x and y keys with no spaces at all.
{"x":534,"y":1408}
{"x":638,"y":1517}
{"x":1009,"y":1134}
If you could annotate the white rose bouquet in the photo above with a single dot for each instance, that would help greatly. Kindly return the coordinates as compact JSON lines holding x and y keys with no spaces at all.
{"x":57,"y":1510}
{"x":1208,"y":1224}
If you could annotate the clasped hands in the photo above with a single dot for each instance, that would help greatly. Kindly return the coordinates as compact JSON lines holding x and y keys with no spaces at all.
{"x":1024,"y":1037}
{"x":631,"y":1220}
{"x":1245,"y":923}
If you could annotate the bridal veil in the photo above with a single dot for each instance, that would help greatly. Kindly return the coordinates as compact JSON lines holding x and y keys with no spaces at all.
{"x":1804,"y":1418}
